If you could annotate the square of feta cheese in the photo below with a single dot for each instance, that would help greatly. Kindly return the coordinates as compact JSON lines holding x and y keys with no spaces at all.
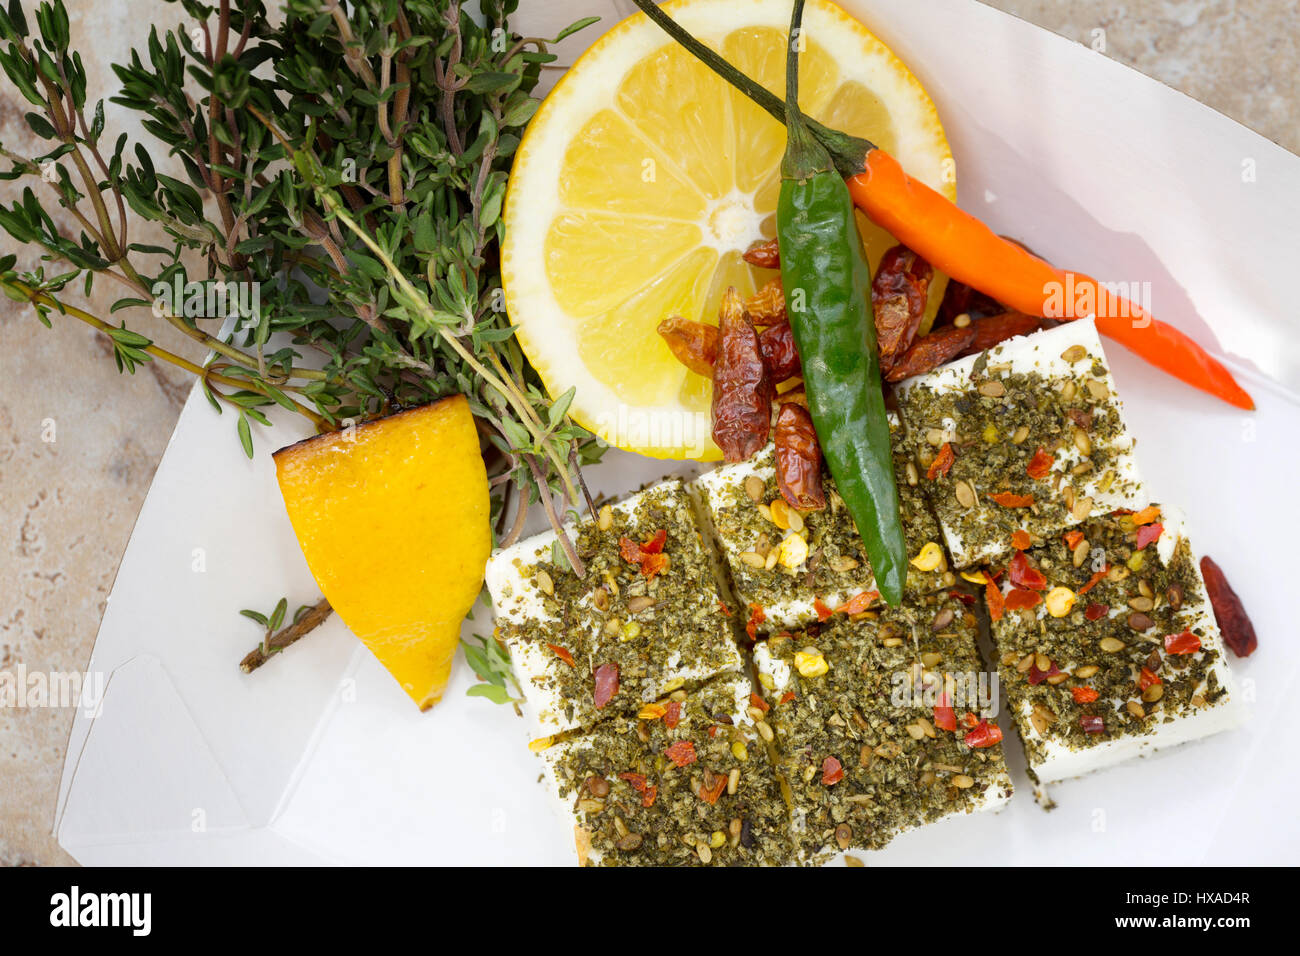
{"x":1108,"y":647}
{"x":645,"y":619}
{"x":798,"y":566}
{"x":882,"y":724}
{"x":1028,"y":436}
{"x":685,"y":782}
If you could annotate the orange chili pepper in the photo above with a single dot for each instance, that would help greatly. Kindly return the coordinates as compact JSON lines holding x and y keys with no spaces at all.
{"x":1008,"y":500}
{"x":1020,"y":539}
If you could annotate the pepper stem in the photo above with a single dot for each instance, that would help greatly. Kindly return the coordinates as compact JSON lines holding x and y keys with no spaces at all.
{"x":848,"y":152}
{"x":804,"y":155}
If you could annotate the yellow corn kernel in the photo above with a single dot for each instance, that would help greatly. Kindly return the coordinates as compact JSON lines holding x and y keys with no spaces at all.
{"x":1136,"y":561}
{"x":651,"y":712}
{"x":990,"y":435}
{"x":739,"y":751}
{"x":929,"y":559}
{"x":810,"y":663}
{"x":974,"y":577}
{"x":767,"y":681}
{"x":717,"y":838}
{"x":631,"y":631}
{"x":540,"y":744}
{"x":1059,"y":601}
{"x":794,"y":551}
{"x":673,"y":685}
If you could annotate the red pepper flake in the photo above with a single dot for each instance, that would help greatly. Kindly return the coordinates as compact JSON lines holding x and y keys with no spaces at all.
{"x":681,"y":753}
{"x":858,"y":603}
{"x":759,"y":702}
{"x":672,"y":714}
{"x":1184,"y":643}
{"x":713,"y":731}
{"x":630,"y":550}
{"x":635,"y":780}
{"x":1037,"y":677}
{"x":1092,"y":581}
{"x":606,"y":684}
{"x":823,"y":612}
{"x":1092,"y":725}
{"x":648,"y":798}
{"x":786,"y":697}
{"x":1021,"y":600}
{"x":1025,"y":575}
{"x":993,"y":597}
{"x":1229,"y":612}
{"x":1148,"y":678}
{"x":648,"y":555}
{"x":710,"y":794}
{"x":562,"y":654}
{"x":756,"y":617}
{"x":655,"y":543}
{"x":1084,"y":695}
{"x":967,"y":599}
{"x":1072,"y":539}
{"x":726,"y":611}
{"x":1095,"y":612}
{"x":1148,"y":533}
{"x":1020,"y":539}
{"x":985,"y":734}
{"x":832,"y":772}
{"x":969,"y":720}
{"x":1146,"y":515}
{"x":942,"y":462}
{"x":652,"y":564}
{"x":1040,"y":466}
{"x":945,"y":718}
{"x":1008,"y":500}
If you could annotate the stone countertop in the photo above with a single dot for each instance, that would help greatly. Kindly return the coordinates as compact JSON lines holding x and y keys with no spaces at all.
{"x":79,"y":443}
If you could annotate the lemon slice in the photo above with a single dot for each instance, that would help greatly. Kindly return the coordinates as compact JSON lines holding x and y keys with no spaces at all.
{"x":644,"y":177}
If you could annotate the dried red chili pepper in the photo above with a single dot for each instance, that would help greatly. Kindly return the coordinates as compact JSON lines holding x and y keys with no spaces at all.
{"x":858,"y":603}
{"x":742,"y":388}
{"x":694,"y":344}
{"x":759,"y":702}
{"x":1084,"y":695}
{"x":1148,"y":533}
{"x":629,"y":550}
{"x":1238,"y":631}
{"x":764,"y":254}
{"x":776,"y":342}
{"x":985,"y":734}
{"x":672,"y":714}
{"x":1025,"y":575}
{"x":823,"y":612}
{"x":712,"y":786}
{"x":945,"y":718}
{"x":799,"y":459}
{"x":1092,"y":581}
{"x":767,"y":305}
{"x":994,"y":329}
{"x":1040,"y":466}
{"x":681,"y":753}
{"x":1037,"y":676}
{"x":756,"y":617}
{"x":562,"y":653}
{"x":786,"y":697}
{"x":1184,"y":643}
{"x":1072,"y":539}
{"x":1147,"y":678}
{"x":1095,"y":612}
{"x":606,"y":684}
{"x":1147,"y":515}
{"x":960,"y":298}
{"x":832,"y":772}
{"x":943,"y":461}
{"x":898,"y":295}
{"x":930,"y":351}
{"x":648,"y":798}
{"x":1009,"y":500}
{"x":993,"y":597}
{"x":1092,"y":725}
{"x":655,"y":543}
{"x":635,"y":780}
{"x":1020,"y":539}
{"x":1021,"y":600}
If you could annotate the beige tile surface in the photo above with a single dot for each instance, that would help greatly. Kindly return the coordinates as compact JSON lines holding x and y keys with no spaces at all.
{"x":67,"y":506}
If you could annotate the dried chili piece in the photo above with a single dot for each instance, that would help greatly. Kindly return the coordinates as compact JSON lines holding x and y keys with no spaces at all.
{"x":1020,"y":539}
{"x":742,"y":387}
{"x":1021,"y":600}
{"x":606,"y":684}
{"x":832,"y":771}
{"x":960,"y":298}
{"x":985,"y":734}
{"x":562,"y":653}
{"x":767,"y":305}
{"x":1148,"y":678}
{"x":1037,"y":676}
{"x":1229,"y":612}
{"x":764,"y":254}
{"x":1025,"y":575}
{"x":1095,"y":612}
{"x":786,"y":697}
{"x":1009,"y":500}
{"x":798,"y":459}
{"x":672,"y":714}
{"x":858,"y":603}
{"x":648,"y":798}
{"x":945,"y":718}
{"x":1149,"y":533}
{"x":930,"y":351}
{"x":712,"y":786}
{"x":1092,"y":581}
{"x":898,"y":295}
{"x":1184,"y":643}
{"x":1147,"y":515}
{"x":694,"y":344}
{"x":776,"y":342}
{"x":635,"y":780}
{"x":943,"y":461}
{"x":756,"y":617}
{"x":655,"y":543}
{"x":820,"y":608}
{"x":993,"y":596}
{"x":756,"y":701}
{"x":681,"y":753}
{"x":1092,"y":725}
{"x":1083,"y":695}
{"x":994,"y":329}
{"x":1072,"y":539}
{"x":1040,"y":466}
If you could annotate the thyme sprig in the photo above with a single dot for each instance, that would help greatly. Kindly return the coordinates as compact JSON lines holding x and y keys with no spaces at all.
{"x":349,"y":162}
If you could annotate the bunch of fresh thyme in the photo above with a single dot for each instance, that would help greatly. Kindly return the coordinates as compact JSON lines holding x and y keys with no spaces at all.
{"x":349,"y":162}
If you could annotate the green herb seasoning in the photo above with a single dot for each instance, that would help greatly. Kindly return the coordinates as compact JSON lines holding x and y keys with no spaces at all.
{"x":687,"y":782}
{"x":1027,"y":436}
{"x":861,"y":709}
{"x":1102,"y":671}
{"x":627,"y":631}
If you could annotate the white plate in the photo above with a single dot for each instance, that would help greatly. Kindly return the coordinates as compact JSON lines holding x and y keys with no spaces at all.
{"x":320,"y":757}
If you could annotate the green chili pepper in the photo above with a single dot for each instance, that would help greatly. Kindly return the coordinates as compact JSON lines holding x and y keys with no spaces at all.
{"x":827,"y":286}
